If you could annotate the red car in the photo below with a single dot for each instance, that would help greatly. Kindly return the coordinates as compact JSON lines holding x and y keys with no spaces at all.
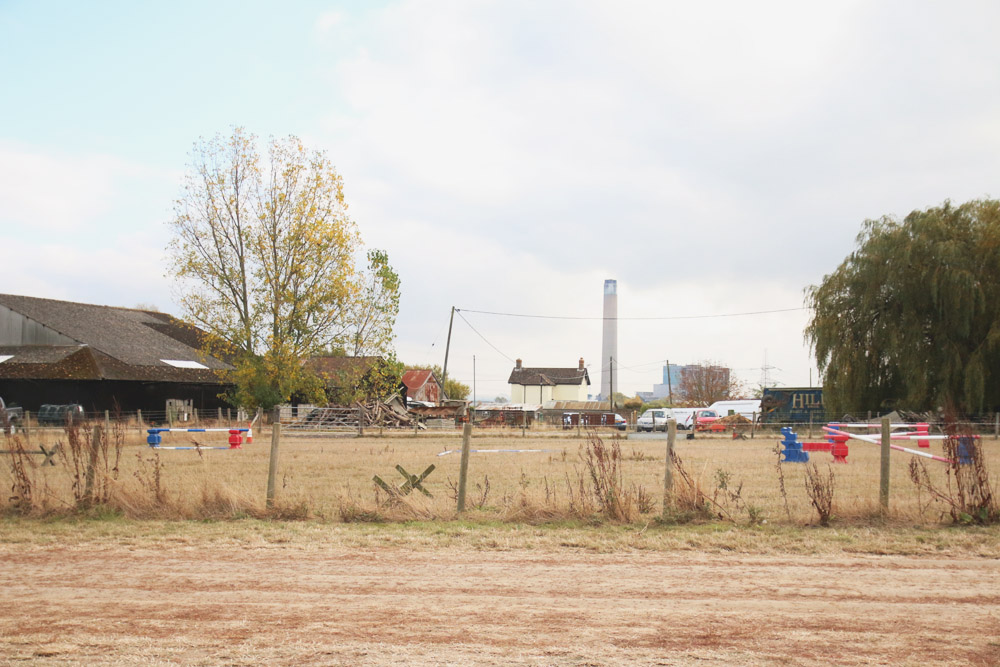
{"x":705,"y":420}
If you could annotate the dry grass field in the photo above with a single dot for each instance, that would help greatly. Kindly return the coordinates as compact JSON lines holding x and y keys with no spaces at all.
{"x":534,"y":573}
{"x":331,"y":478}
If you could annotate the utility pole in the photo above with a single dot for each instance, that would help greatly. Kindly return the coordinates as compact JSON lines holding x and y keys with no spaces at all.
{"x":670,"y":385}
{"x":447,"y":347}
{"x":611,"y":383}
{"x":473,"y":380}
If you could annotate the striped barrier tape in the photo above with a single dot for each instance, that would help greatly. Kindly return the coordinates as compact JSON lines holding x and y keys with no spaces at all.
{"x":494,"y":451}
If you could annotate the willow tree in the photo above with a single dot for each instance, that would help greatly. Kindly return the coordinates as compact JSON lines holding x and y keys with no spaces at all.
{"x":263,"y":252}
{"x":911,"y":319}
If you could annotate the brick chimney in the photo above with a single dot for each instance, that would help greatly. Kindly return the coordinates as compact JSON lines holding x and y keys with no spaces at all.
{"x":518,"y":365}
{"x":581,"y":363}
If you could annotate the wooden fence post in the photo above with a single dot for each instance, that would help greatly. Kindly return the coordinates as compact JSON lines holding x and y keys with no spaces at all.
{"x":27,"y":431}
{"x":361,"y":420}
{"x":883,"y":489}
{"x":463,"y":470}
{"x":219,"y":417}
{"x":272,"y":466}
{"x":138,"y":417}
{"x":996,"y":426}
{"x":229,"y":417}
{"x":107,"y":422}
{"x":95,"y":448}
{"x":668,"y":477}
{"x":753,"y":424}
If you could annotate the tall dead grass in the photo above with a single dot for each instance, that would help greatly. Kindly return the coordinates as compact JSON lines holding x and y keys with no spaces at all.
{"x":967,"y":494}
{"x":88,"y":480}
{"x":588,"y":480}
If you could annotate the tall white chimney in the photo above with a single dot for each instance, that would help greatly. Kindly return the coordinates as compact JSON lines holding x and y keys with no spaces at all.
{"x":609,"y":346}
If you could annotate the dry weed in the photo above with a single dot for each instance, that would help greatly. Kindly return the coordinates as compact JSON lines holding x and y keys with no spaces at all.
{"x":22,"y":472}
{"x":820,"y":491}
{"x":603,"y":465}
{"x":967,"y":493}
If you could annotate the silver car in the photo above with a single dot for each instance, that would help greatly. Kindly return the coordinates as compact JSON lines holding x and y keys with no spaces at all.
{"x":654,"y":419}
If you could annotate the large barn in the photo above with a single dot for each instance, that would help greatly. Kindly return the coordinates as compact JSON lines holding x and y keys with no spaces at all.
{"x":102,"y":357}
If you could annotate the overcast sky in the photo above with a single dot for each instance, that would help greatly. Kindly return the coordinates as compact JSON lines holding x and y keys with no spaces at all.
{"x":713,"y":158}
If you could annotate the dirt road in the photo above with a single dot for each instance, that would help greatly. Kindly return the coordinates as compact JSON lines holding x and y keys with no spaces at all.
{"x":285,"y":604}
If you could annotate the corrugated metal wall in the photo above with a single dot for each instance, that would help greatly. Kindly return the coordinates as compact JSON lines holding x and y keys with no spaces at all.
{"x":16,"y":329}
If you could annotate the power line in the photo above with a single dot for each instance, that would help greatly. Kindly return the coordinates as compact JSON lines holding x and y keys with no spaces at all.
{"x":667,"y":317}
{"x":457,"y":310}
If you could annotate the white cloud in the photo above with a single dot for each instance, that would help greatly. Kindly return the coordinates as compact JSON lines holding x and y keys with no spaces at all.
{"x":55,"y":192}
{"x":327,"y":21}
{"x":125,"y":271}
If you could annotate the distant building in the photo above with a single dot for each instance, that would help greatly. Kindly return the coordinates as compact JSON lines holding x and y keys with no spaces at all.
{"x":674,"y":377}
{"x":423,"y":385}
{"x":103,"y":357}
{"x":540,"y":385}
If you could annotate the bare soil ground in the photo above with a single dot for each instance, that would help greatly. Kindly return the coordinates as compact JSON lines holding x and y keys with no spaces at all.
{"x":122,"y":601}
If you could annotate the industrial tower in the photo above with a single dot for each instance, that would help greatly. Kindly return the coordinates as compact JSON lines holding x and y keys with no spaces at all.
{"x":609,"y":346}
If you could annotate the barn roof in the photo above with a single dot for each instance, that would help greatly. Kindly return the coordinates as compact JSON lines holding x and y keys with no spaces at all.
{"x":99,"y":342}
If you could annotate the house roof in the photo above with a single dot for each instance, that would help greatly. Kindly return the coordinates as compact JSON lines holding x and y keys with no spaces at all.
{"x":102,"y":342}
{"x":415,"y":379}
{"x":548,"y":376}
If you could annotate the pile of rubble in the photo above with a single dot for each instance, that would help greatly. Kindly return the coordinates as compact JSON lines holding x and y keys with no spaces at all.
{"x":390,"y":413}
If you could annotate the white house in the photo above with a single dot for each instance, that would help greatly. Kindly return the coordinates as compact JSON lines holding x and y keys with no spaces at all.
{"x":539,"y":385}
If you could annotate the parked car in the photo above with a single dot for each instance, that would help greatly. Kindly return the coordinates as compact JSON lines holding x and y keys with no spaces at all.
{"x":620,"y":423}
{"x":59,"y":415}
{"x":704,"y":420}
{"x":684,"y":416}
{"x":10,"y":416}
{"x":653,"y":419}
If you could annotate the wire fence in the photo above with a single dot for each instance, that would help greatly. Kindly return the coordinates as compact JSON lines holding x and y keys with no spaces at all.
{"x":310,"y":419}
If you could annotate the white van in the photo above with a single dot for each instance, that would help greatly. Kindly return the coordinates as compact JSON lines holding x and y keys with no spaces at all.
{"x":746,"y":407}
{"x":684,"y":416}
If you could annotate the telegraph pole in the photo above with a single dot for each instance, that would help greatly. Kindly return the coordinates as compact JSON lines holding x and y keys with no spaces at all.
{"x":611,"y":383}
{"x":670,"y":386}
{"x":447,"y":347}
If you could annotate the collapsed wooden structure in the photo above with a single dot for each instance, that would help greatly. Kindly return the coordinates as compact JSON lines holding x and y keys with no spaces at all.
{"x":386,"y":414}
